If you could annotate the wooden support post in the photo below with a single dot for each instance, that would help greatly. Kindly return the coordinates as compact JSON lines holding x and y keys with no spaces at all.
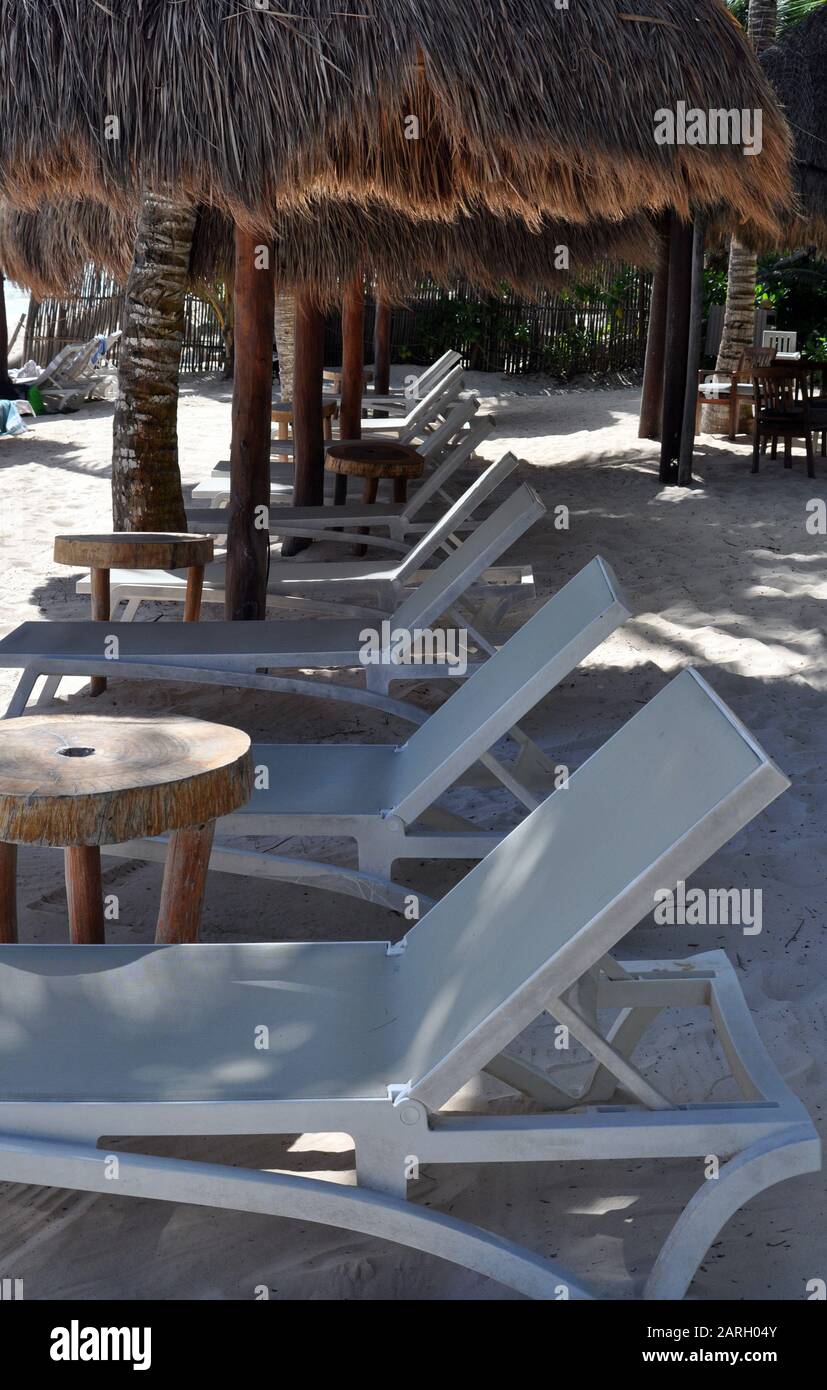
{"x":99,"y":586}
{"x":651,"y":398}
{"x":308,"y":426}
{"x":84,"y":895}
{"x":8,"y":894}
{"x":353,"y":358}
{"x":693,"y":355}
{"x":247,"y":537}
{"x":677,"y":338}
{"x":184,"y":885}
{"x":382,"y":348}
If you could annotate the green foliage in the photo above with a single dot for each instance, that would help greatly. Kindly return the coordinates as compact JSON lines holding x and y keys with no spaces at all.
{"x":789,"y":11}
{"x":796,"y":287}
{"x":486,"y":328}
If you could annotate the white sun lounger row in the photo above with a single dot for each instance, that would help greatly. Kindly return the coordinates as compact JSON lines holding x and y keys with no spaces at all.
{"x":400,"y":397}
{"x":423,"y":417}
{"x":236,"y":653}
{"x":384,"y":797}
{"x":374,"y":1040}
{"x":383,"y":583}
{"x":445,"y":451}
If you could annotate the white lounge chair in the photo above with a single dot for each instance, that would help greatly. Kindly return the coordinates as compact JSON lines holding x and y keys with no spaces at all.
{"x":374,"y":1040}
{"x":385,"y":797}
{"x":400,"y":397}
{"x":231,"y":653}
{"x":69,"y":377}
{"x":444,"y":450}
{"x":51,"y":378}
{"x":382,"y":582}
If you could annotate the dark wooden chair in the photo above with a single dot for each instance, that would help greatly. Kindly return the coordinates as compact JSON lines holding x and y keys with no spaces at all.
{"x":733,"y":388}
{"x":782,"y":411}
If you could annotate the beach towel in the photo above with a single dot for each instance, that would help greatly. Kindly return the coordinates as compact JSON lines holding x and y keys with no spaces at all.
{"x":10,"y":421}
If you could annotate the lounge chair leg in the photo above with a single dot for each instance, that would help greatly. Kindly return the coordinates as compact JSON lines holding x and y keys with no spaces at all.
{"x":756,"y":451}
{"x":51,"y":686}
{"x":20,"y":698}
{"x":811,"y":463}
{"x":185,"y":881}
{"x":381,"y":1166}
{"x":131,"y":609}
{"x":84,"y":895}
{"x":768,"y":1161}
{"x":8,"y":894}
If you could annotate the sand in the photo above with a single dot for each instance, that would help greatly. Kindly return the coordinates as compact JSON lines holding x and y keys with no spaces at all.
{"x":724,"y":577}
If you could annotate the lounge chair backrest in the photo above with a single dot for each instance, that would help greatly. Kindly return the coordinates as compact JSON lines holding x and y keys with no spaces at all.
{"x":435,"y":373}
{"x":483,"y":485}
{"x":463,"y":442}
{"x":80,"y":364}
{"x":59,"y":362}
{"x":651,"y":805}
{"x":544,"y":650}
{"x":425,"y":408}
{"x":491,"y":539}
{"x":457,"y":416}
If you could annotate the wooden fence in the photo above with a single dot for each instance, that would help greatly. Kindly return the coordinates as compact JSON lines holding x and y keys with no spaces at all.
{"x":600,"y":328}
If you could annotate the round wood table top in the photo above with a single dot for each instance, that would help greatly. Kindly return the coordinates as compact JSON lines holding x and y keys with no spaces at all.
{"x":373,"y":458}
{"x":332,"y":377}
{"x":68,"y":780}
{"x":283,"y":412}
{"x":134,"y":550}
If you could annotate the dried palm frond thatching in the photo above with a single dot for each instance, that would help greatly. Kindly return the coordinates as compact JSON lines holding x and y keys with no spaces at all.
{"x":797,"y":69}
{"x":429,"y":107}
{"x":321,"y":247}
{"x":46,"y":251}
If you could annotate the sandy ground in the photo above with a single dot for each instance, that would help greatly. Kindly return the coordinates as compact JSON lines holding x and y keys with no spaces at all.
{"x":724,"y":577}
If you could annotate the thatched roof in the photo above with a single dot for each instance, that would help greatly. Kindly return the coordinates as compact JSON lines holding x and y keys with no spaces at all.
{"x":520,"y":104}
{"x":47,"y":250}
{"x":797,"y":68}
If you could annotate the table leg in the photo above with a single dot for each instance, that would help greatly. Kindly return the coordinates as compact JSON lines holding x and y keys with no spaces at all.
{"x":8,"y":894}
{"x":370,"y":487}
{"x":100,"y":614}
{"x":84,"y":894}
{"x":281,"y":433}
{"x":400,"y":490}
{"x":185,"y":881}
{"x":328,"y":427}
{"x":340,"y":490}
{"x":192,"y":601}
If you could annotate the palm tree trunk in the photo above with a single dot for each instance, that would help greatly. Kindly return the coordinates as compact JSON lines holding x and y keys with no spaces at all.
{"x":763,"y":23}
{"x":4,"y":339}
{"x":286,"y":340}
{"x":739,"y":316}
{"x":146,"y":481}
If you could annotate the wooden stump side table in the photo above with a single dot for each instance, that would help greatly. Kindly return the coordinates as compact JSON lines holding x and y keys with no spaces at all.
{"x":281,"y":415}
{"x":77,"y":782}
{"x":372,"y":459}
{"x":136,"y":550}
{"x":332,"y":379}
